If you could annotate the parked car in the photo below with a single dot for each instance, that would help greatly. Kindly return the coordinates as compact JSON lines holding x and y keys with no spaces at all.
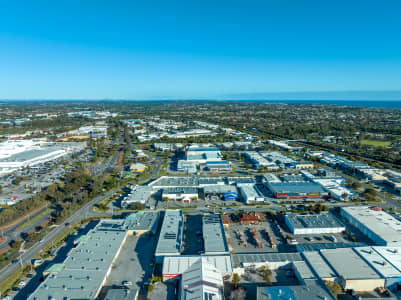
{"x":22,"y":283}
{"x":126,"y":283}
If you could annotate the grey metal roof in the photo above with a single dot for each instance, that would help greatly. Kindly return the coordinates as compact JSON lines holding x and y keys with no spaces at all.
{"x":30,"y":154}
{"x":295,"y":187}
{"x":141,"y":194}
{"x":238,"y":180}
{"x":321,"y":246}
{"x":179,"y":264}
{"x":312,"y":290}
{"x":348,"y":265}
{"x":171,"y":233}
{"x":145,"y":221}
{"x":169,"y":181}
{"x":238,"y":259}
{"x":319,"y":265}
{"x":180,"y":190}
{"x":213,"y":234}
{"x":85,"y":267}
{"x":382,"y":224}
{"x":303,"y":270}
{"x":322,"y":220}
{"x":219,"y":189}
{"x":210,"y":180}
{"x":202,"y":281}
{"x":378,"y":262}
{"x":250,"y":191}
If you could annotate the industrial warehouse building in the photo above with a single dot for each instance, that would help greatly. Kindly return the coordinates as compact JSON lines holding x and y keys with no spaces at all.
{"x":319,"y":265}
{"x":185,"y":194}
{"x":250,"y":193}
{"x":213,"y":235}
{"x":201,"y":281}
{"x":202,"y":155}
{"x":211,"y":181}
{"x":175,"y":181}
{"x":259,"y":161}
{"x":174,"y":266}
{"x":139,"y":194}
{"x":353,"y":272}
{"x":313,"y":223}
{"x":170,"y":238}
{"x":383,"y":260}
{"x":218,"y":165}
{"x":296,"y":190}
{"x":382,"y":228}
{"x":272,"y":260}
{"x":312,"y":290}
{"x":190,"y":167}
{"x":226,"y":192}
{"x":301,"y":165}
{"x":29,"y":158}
{"x":87,"y":266}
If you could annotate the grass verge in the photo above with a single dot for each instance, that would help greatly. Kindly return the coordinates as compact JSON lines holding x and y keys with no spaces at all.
{"x":13,"y":279}
{"x":34,"y":219}
{"x":375,"y":143}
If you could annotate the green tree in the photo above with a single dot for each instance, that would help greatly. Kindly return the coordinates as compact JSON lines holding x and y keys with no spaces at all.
{"x":235,"y":279}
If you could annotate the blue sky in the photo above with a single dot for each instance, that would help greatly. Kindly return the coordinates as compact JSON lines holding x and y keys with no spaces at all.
{"x":195,"y":49}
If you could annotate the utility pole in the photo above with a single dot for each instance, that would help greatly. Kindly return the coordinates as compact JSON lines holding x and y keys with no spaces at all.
{"x":20,"y":259}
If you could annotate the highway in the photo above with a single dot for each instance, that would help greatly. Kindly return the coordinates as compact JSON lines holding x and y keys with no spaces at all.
{"x":29,"y":254}
{"x":14,"y":232}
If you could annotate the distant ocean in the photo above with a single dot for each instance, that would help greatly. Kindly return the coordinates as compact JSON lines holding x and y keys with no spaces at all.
{"x":371,"y":103}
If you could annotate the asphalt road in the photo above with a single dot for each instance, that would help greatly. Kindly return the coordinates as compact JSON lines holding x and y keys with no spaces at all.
{"x":13,"y":233}
{"x":29,"y":254}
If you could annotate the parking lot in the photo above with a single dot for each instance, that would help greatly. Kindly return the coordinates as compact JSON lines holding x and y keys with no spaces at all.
{"x":134,"y":265}
{"x":260,"y":237}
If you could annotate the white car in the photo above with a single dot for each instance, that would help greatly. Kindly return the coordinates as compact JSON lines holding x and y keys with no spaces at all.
{"x":126,"y":283}
{"x":22,"y":283}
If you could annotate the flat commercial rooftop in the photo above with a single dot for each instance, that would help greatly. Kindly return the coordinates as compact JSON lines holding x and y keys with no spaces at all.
{"x":295,"y":187}
{"x":211,"y":180}
{"x":312,"y":290}
{"x":171,"y":233}
{"x":251,"y":191}
{"x":391,"y":254}
{"x":141,"y":194}
{"x":176,"y":265}
{"x":219,"y":189}
{"x":318,"y":264}
{"x":303,"y":270}
{"x":85,"y":267}
{"x":378,"y":262}
{"x":348,"y":265}
{"x":321,"y":246}
{"x":31,"y":154}
{"x":170,"y":181}
{"x":241,"y":180}
{"x":250,"y":258}
{"x":147,"y":220}
{"x":381,"y":223}
{"x":202,"y":281}
{"x":213,"y":234}
{"x":180,"y":190}
{"x":322,"y":220}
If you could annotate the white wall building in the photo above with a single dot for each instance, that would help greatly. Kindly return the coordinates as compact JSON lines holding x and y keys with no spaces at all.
{"x":379,"y":226}
{"x":313,"y":224}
